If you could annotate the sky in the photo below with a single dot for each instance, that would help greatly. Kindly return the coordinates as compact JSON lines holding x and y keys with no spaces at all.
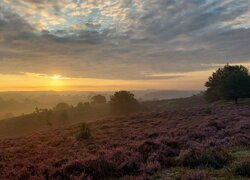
{"x":98,"y":45}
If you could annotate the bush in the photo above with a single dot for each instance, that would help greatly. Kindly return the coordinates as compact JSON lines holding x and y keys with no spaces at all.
{"x":84,"y":132}
{"x":99,"y":99}
{"x":61,"y":106}
{"x":208,"y":110}
{"x":205,"y":158}
{"x":196,"y":175}
{"x":100,"y":168}
{"x":243,"y":168}
{"x":123,"y":102}
{"x":151,"y":167}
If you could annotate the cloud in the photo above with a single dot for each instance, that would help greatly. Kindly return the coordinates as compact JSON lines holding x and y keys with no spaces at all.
{"x":121,"y":39}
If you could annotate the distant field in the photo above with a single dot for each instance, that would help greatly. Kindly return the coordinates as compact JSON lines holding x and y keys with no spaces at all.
{"x":205,"y":142}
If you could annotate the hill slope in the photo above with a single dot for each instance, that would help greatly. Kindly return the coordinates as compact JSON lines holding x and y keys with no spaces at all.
{"x":133,"y":147}
{"x":30,"y":123}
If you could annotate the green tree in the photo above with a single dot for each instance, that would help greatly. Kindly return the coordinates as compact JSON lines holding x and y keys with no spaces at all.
{"x":229,"y":82}
{"x":123,"y":102}
{"x":98,"y":99}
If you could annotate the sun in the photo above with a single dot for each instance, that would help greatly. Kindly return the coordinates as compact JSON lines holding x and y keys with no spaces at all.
{"x":57,"y":76}
{"x":56,"y":82}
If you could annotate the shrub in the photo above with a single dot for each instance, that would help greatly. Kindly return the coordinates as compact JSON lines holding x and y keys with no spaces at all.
{"x":71,"y":170}
{"x":61,"y":106}
{"x":98,"y":99}
{"x":100,"y":168}
{"x":208,"y":110}
{"x":196,"y":175}
{"x":147,"y":148}
{"x":84,"y":132}
{"x":216,"y":158}
{"x":123,"y":102}
{"x":150,"y":167}
{"x":129,"y":167}
{"x":243,"y":168}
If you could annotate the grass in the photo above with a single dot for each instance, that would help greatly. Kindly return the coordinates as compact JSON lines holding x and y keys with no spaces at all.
{"x":240,"y":153}
{"x":226,"y":173}
{"x":245,"y":101}
{"x":237,"y":169}
{"x":214,"y":158}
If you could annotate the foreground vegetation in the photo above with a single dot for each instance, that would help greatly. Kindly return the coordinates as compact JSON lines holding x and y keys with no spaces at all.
{"x":177,"y":144}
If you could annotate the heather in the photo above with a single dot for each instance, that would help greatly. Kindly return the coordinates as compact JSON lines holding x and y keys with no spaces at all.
{"x":242,"y":168}
{"x":137,"y":146}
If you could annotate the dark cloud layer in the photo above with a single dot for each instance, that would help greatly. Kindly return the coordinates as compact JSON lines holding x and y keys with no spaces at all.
{"x":134,"y":41}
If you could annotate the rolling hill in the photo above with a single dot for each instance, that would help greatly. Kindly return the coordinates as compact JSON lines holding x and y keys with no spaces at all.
{"x":188,"y":143}
{"x":49,"y":119}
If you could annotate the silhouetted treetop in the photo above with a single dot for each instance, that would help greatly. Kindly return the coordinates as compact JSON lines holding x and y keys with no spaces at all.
{"x":229,"y":82}
{"x":99,"y":99}
{"x":123,"y":102}
{"x":61,"y":106}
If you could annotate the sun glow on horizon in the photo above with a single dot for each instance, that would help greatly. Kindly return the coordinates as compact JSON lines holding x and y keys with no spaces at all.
{"x":59,"y":82}
{"x":56,"y":82}
{"x":57,"y":76}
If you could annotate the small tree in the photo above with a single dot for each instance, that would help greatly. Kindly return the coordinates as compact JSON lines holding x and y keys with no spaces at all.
{"x":84,"y":132}
{"x":123,"y":102}
{"x":61,"y":106}
{"x":98,"y":99}
{"x":229,"y":82}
